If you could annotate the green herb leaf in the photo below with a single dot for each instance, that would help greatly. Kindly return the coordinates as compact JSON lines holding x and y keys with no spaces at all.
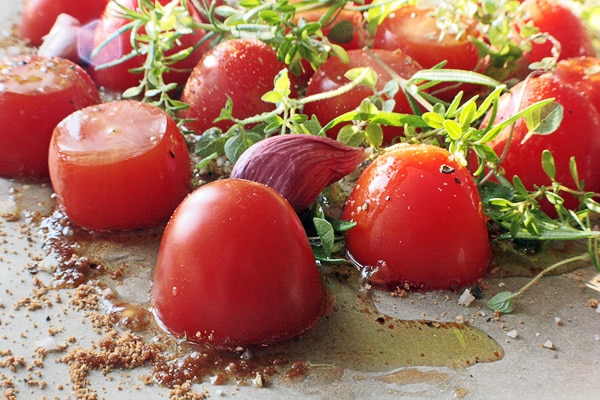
{"x":503,"y":302}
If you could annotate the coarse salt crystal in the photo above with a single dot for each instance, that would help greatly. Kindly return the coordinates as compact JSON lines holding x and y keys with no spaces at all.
{"x":512,"y":334}
{"x":466,"y":298}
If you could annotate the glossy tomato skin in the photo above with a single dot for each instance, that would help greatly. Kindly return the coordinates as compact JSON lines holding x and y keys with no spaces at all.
{"x":240,"y":69}
{"x":330,"y":76}
{"x":555,"y":18}
{"x":583,"y":73}
{"x":413,"y":31}
{"x":235,"y":268}
{"x":37,"y":93}
{"x":577,"y":136}
{"x":117,"y":77}
{"x":419,"y":221}
{"x":119,"y":165}
{"x":38,"y":16}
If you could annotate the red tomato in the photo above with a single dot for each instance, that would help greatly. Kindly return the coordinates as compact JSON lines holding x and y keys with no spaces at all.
{"x":119,"y":165}
{"x":39,"y":16}
{"x":583,"y":73}
{"x":330,"y":76}
{"x":420,"y":221}
{"x":235,"y":268}
{"x":118,"y":77}
{"x":240,"y":69}
{"x":414,"y":31}
{"x":35,"y":94}
{"x":577,"y":136}
{"x":555,"y":18}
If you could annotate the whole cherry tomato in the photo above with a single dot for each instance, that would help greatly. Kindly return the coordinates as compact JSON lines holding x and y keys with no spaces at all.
{"x":556,"y":19}
{"x":414,"y":31}
{"x":330,"y":76}
{"x":577,"y":136}
{"x":39,"y":16}
{"x":119,"y":165}
{"x":419,"y":221}
{"x":235,"y":268}
{"x":241,"y":70}
{"x":118,"y":77}
{"x":37,"y":92}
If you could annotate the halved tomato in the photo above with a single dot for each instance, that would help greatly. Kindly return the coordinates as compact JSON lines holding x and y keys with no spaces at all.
{"x":119,"y":165}
{"x":35,"y":94}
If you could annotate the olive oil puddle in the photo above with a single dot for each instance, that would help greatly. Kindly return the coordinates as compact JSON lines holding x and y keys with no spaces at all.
{"x":353,"y":336}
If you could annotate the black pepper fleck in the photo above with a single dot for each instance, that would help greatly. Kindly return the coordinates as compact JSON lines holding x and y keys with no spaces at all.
{"x":446,"y":169}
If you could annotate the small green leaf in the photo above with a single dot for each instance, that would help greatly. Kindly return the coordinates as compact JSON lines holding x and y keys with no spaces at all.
{"x":369,"y":80}
{"x":342,"y":32}
{"x":575,"y":173}
{"x":374,"y":135}
{"x":453,"y":128}
{"x":272,"y":97}
{"x":548,"y":164}
{"x":503,"y":302}
{"x":133,"y":92}
{"x":326,"y":233}
{"x":434,"y":120}
{"x":351,"y":135}
{"x":238,"y":144}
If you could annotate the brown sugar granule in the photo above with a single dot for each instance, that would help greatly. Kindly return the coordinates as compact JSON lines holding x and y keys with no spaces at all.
{"x":114,"y":350}
{"x":13,"y":363}
{"x":185,"y":392}
{"x":85,"y":297}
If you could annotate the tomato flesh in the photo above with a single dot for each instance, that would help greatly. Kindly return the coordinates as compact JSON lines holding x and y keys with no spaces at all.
{"x":419,"y":221}
{"x":36,"y":93}
{"x":119,"y":165}
{"x":235,"y":268}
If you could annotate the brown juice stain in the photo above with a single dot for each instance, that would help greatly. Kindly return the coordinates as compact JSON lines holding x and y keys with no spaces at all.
{"x":353,"y":336}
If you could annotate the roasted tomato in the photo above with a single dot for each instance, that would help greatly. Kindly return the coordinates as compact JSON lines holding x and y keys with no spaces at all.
{"x":241,"y":70}
{"x":37,"y":93}
{"x":555,"y":18}
{"x":576,"y":137}
{"x":119,"y":165}
{"x":330,"y":76}
{"x":419,"y":221}
{"x":118,"y":77}
{"x":414,"y":31}
{"x":235,"y":268}
{"x":39,"y":16}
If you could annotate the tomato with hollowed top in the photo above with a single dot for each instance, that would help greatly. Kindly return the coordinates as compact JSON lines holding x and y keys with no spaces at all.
{"x":119,"y":165}
{"x":35,"y":94}
{"x":419,"y":221}
{"x":235,"y":268}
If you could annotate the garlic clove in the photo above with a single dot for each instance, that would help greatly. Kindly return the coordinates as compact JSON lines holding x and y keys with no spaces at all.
{"x":298,"y":166}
